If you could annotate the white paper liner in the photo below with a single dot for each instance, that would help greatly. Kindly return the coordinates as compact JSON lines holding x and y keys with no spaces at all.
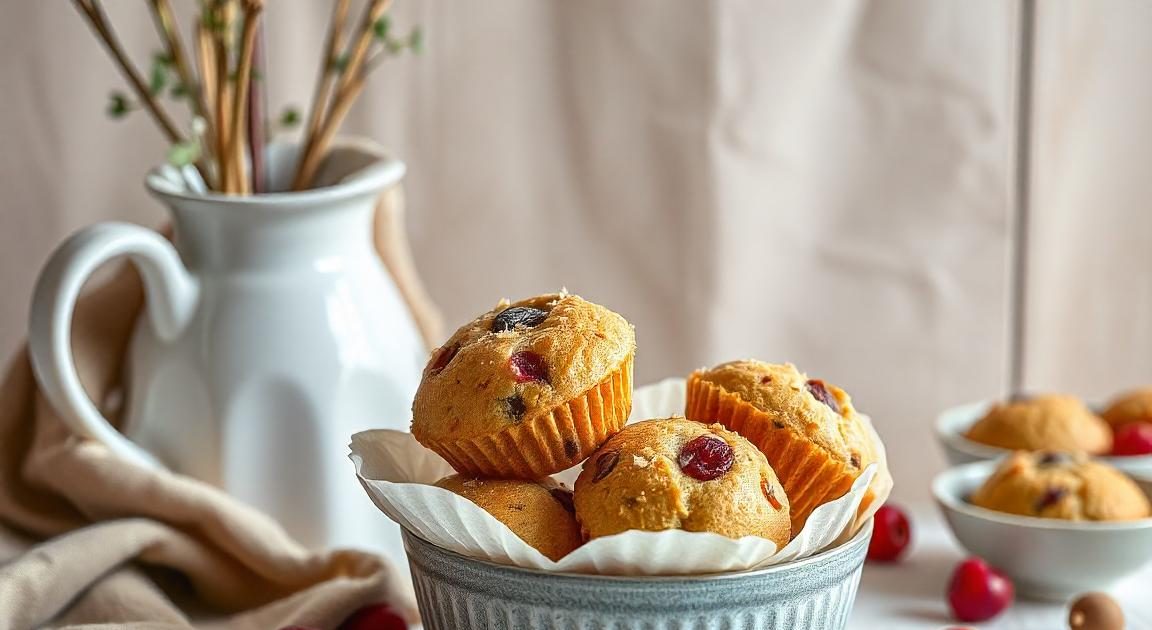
{"x":397,"y":472}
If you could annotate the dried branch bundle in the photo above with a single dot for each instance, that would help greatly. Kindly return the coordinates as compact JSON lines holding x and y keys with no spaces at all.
{"x":224,"y":88}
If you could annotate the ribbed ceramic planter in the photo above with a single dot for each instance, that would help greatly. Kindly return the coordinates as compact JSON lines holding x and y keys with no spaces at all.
{"x":455,"y":592}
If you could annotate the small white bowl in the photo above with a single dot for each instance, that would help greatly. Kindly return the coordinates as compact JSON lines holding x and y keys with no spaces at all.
{"x":1046,"y":558}
{"x":953,"y":423}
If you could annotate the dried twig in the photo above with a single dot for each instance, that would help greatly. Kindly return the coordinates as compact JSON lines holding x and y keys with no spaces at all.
{"x":350,"y":85}
{"x":257,"y":114}
{"x":328,"y":72}
{"x":92,"y":10}
{"x":174,"y":46}
{"x":239,"y":104}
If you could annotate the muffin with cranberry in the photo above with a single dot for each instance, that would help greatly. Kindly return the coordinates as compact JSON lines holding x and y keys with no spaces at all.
{"x":1130,"y":407}
{"x":1064,"y":486}
{"x":808,"y":429}
{"x":527,"y":389}
{"x":539,"y":512}
{"x":1049,"y":422}
{"x":678,"y":474}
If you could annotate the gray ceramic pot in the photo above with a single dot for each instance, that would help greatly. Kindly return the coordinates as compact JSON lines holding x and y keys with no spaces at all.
{"x":459,"y":593}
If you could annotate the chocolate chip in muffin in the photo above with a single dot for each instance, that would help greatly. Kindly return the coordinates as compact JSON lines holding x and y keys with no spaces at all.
{"x":605,"y":464}
{"x":514,"y":406}
{"x":571,"y":449}
{"x":820,"y":392}
{"x":524,"y":316}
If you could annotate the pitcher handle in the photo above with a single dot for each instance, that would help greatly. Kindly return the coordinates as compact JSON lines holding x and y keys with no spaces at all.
{"x":171,"y":294}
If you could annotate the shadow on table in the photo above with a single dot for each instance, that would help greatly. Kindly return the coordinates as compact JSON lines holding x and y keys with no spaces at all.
{"x":916,"y":586}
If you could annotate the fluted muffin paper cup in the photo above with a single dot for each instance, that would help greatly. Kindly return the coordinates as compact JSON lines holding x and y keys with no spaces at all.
{"x":398,"y":473}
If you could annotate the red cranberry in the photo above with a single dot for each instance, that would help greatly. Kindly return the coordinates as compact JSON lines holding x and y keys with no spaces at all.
{"x":442,"y":358}
{"x":374,"y":617}
{"x":706,"y":458}
{"x":527,"y":367}
{"x":1133,"y":439}
{"x":817,"y":388}
{"x":525,"y":316}
{"x":890,"y":536}
{"x":978,"y":592}
{"x":1051,"y":497}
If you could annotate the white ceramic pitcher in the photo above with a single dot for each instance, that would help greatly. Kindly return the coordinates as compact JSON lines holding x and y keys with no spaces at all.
{"x":272,"y":333}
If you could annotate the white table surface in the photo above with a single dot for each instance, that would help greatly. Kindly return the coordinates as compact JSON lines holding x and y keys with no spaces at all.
{"x":910,"y":595}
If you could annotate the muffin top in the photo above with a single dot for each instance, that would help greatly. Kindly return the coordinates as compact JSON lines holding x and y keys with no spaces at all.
{"x":680,"y":474}
{"x":539,"y":512}
{"x":1132,"y":406}
{"x":517,"y":362}
{"x":1049,"y":422}
{"x":1060,"y":485}
{"x":811,"y":407}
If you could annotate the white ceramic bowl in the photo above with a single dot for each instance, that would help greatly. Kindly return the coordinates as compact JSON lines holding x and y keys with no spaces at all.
{"x":953,"y":423}
{"x":1046,"y":558}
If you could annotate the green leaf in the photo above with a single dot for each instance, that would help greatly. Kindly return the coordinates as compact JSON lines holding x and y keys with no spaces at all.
{"x":416,"y":40}
{"x":381,"y":28}
{"x":289,"y":118}
{"x":162,"y":58}
{"x":179,"y":91}
{"x":158,"y":78}
{"x":119,"y":105}
{"x":338,"y":64}
{"x":184,"y":153}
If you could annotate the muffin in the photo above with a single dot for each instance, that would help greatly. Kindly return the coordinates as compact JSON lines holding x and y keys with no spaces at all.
{"x":678,"y":474}
{"x":527,"y":389}
{"x":1050,"y":422}
{"x":1133,"y":406}
{"x":1065,"y":486}
{"x":539,"y":512}
{"x":808,"y":429}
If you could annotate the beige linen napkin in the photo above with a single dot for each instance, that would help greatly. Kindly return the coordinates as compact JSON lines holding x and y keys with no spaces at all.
{"x":87,"y":538}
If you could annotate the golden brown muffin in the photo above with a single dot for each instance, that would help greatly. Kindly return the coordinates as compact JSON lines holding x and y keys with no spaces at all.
{"x":808,"y":429}
{"x":1058,"y":485}
{"x":527,"y":389}
{"x":1129,"y":407}
{"x":1050,"y":422}
{"x":679,"y":474}
{"x":539,"y":512}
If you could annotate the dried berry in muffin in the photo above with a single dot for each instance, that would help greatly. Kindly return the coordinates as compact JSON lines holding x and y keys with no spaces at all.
{"x":678,"y":474}
{"x":527,"y":389}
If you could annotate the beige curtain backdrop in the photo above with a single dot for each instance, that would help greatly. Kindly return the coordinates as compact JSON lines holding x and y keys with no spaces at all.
{"x":828,"y":183}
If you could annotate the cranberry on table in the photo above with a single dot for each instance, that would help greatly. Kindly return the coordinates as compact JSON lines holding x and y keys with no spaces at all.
{"x":1133,"y":439}
{"x":978,"y":592}
{"x":375,"y":617}
{"x":706,"y":458}
{"x":891,"y":534}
